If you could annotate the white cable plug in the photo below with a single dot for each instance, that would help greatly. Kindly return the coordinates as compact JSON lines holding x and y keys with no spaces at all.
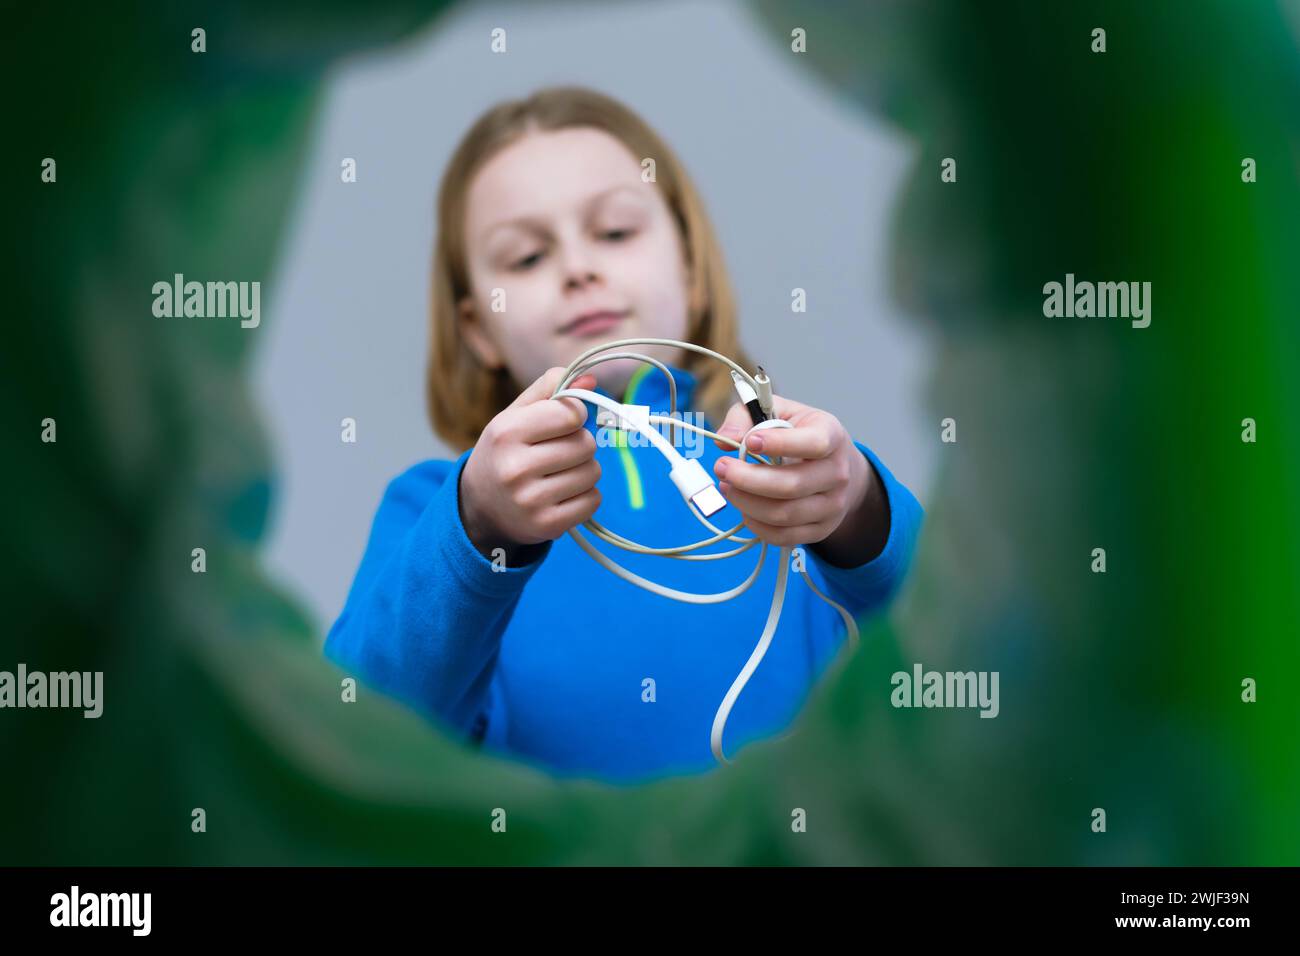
{"x":764,"y":386}
{"x":697,"y":487}
{"x":632,"y":417}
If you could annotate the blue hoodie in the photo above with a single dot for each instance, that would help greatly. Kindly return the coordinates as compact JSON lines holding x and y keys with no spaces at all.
{"x":565,"y":665}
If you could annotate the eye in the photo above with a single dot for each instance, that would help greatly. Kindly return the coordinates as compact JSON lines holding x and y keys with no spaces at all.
{"x":526,"y":263}
{"x":617,"y":235}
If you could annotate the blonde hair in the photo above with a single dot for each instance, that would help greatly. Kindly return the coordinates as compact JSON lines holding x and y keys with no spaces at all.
{"x":464,"y":395}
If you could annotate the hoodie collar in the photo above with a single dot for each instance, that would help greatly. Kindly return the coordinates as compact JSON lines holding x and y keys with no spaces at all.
{"x":648,"y":386}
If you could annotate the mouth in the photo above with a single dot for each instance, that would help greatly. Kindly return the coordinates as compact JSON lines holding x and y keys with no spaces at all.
{"x":593,"y":323}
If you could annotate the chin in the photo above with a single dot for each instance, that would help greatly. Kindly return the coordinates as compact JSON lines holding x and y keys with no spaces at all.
{"x":613,"y":375}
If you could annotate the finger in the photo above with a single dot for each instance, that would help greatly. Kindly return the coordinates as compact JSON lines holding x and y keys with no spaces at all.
{"x":786,"y":537}
{"x":551,"y":418}
{"x":814,"y":439}
{"x":780,"y":512}
{"x":557,"y":454}
{"x":588,"y":381}
{"x":734,"y":425}
{"x":541,"y":387}
{"x":573,"y":511}
{"x":778,"y":481}
{"x":790,"y":410}
{"x":546,"y":384}
{"x":565,"y":484}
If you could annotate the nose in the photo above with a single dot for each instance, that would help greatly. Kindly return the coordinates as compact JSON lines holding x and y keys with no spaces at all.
{"x":579,"y":277}
{"x":578,"y":268}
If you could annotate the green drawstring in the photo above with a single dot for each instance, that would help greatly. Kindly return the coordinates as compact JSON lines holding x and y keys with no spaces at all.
{"x":633,"y":476}
{"x":634,"y":492}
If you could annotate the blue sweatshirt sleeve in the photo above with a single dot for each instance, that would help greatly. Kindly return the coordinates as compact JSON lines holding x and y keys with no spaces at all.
{"x":424,"y":618}
{"x":871,"y":585}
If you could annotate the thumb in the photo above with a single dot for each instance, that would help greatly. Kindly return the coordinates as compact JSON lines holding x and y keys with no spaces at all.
{"x":586,"y":380}
{"x":546,"y":384}
{"x":734,"y":425}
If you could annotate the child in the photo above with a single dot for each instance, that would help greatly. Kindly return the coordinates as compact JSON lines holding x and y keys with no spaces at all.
{"x":565,"y":222}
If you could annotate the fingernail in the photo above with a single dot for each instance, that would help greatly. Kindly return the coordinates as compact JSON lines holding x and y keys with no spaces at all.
{"x":756,"y":442}
{"x":722,"y":466}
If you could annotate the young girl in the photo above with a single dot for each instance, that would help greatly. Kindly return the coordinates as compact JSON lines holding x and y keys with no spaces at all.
{"x":553,"y":237}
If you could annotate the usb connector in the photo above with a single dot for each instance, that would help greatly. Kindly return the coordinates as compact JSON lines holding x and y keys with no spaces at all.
{"x":764,"y":392}
{"x":748,"y":397}
{"x":697,"y":487}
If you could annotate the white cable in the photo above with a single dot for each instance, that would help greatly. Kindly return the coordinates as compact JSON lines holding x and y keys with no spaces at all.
{"x":755,"y":658}
{"x":702,"y":498}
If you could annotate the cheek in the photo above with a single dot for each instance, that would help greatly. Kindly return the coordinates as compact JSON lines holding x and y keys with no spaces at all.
{"x":669,"y":314}
{"x":662,"y":282}
{"x":525,"y":311}
{"x":521,"y":333}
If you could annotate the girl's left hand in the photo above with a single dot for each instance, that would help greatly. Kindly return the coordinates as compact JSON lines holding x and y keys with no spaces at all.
{"x":824,"y":491}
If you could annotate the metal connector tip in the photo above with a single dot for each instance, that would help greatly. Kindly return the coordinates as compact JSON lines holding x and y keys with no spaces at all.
{"x":709,"y":501}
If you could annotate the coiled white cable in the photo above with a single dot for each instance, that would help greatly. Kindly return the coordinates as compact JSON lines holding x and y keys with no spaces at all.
{"x":697,"y":489}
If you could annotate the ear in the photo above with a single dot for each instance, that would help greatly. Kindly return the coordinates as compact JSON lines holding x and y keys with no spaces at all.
{"x":476,"y":336}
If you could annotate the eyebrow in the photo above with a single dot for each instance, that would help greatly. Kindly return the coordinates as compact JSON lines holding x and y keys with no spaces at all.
{"x":534,"y":223}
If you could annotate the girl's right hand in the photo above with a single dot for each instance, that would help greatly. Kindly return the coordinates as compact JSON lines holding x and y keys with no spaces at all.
{"x":532,"y":474}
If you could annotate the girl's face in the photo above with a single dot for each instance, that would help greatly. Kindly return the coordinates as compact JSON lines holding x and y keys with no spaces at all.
{"x":562,"y":225}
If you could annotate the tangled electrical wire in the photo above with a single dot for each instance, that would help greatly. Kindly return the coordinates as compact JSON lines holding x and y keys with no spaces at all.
{"x":702,"y":499}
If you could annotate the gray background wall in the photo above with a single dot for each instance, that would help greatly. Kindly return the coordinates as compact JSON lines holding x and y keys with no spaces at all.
{"x":800,"y":187}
